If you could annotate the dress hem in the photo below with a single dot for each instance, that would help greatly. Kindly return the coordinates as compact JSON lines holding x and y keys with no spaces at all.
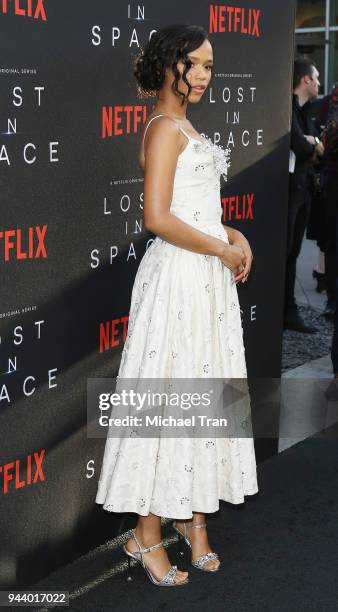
{"x":179,"y":516}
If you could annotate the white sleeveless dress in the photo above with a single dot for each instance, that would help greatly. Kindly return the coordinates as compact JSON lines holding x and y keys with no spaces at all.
{"x":184,"y":322}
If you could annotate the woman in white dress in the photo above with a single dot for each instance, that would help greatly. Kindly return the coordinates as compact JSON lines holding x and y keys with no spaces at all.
{"x":184,"y":318}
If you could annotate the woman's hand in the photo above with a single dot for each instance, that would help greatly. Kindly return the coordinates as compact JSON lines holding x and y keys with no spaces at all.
{"x":242,"y":243}
{"x":233,"y":257}
{"x":236,"y":238}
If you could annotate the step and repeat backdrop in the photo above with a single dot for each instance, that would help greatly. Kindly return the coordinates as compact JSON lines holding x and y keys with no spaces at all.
{"x":72,"y":237}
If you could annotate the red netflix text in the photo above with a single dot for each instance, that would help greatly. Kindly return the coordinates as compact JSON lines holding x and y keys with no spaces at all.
{"x":121,"y":120}
{"x":25,"y":8}
{"x":22,"y":472}
{"x":234,"y":19}
{"x":238,"y":207}
{"x":23,"y":244}
{"x":112,"y":332}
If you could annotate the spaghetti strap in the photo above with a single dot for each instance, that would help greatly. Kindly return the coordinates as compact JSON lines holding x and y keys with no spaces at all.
{"x":155,"y":117}
{"x":184,"y":132}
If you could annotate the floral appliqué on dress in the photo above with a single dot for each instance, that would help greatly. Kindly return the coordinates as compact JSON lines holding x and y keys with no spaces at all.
{"x":221,"y":155}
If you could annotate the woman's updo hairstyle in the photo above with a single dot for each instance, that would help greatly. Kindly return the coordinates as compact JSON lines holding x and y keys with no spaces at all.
{"x":164,"y":49}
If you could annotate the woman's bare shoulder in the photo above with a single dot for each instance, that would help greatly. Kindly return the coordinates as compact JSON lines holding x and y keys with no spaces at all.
{"x":162,"y":132}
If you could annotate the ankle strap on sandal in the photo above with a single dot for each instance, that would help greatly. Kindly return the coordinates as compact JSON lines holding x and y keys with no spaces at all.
{"x":195,"y":526}
{"x":146,"y":548}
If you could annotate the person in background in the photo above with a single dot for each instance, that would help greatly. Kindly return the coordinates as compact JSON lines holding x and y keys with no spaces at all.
{"x":319,"y":272}
{"x":334,"y":347}
{"x":306,"y":148}
{"x":332,"y":390}
{"x":329,"y":117}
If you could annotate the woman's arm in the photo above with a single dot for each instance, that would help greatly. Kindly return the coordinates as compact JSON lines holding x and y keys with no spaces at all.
{"x":163,"y":144}
{"x":233,"y":234}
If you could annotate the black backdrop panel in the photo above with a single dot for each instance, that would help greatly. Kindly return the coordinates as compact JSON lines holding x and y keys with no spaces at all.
{"x":71,"y":233}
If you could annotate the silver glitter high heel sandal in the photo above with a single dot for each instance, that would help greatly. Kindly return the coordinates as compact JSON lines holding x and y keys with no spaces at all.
{"x":167,"y":580}
{"x":202,"y":560}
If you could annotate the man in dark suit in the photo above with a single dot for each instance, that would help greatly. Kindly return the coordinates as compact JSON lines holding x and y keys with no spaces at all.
{"x":305,"y":148}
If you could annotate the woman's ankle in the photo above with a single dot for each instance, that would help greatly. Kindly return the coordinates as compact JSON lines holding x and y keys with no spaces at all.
{"x":147,"y":537}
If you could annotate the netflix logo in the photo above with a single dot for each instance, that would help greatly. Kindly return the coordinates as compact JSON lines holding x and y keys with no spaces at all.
{"x":25,"y":8}
{"x":22,"y":473}
{"x":238,"y":207}
{"x":23,"y":244}
{"x":121,"y":120}
{"x":112,"y":333}
{"x":234,"y":19}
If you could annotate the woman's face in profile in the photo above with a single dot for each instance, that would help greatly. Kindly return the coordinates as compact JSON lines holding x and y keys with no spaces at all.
{"x":199,"y":74}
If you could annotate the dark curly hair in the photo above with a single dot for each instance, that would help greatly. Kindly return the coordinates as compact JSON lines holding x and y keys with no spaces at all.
{"x":165,"y":48}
